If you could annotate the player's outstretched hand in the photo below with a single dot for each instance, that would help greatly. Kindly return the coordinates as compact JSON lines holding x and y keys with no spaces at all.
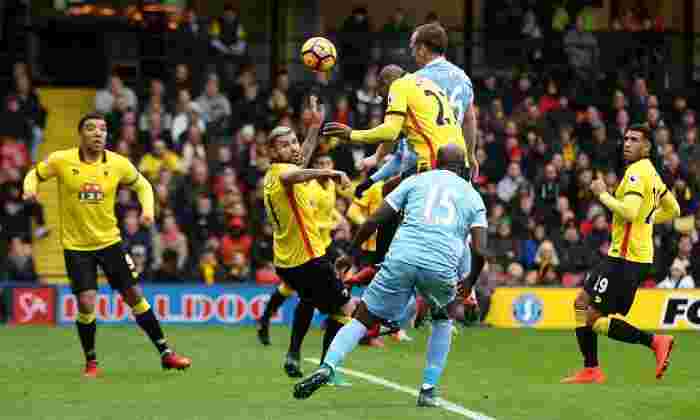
{"x":335,"y":129}
{"x":598,"y":186}
{"x":29,"y":196}
{"x":147,"y":219}
{"x":362,"y":187}
{"x":341,"y":178}
{"x":343,"y":264}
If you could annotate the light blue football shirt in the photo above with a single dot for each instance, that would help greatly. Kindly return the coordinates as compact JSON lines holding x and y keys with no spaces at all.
{"x":439,"y":208}
{"x":454,"y":81}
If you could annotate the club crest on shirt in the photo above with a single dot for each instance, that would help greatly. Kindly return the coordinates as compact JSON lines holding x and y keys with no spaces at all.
{"x":91,"y":193}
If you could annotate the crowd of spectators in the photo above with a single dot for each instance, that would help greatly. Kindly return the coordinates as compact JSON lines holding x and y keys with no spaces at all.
{"x":200,"y":145}
{"x":22,"y":121}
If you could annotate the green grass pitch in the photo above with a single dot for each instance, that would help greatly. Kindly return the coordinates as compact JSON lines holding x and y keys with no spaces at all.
{"x":505,"y":374}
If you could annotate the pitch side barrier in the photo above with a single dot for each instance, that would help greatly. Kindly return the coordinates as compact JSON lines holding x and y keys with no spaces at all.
{"x":552,"y":308}
{"x":544,"y":308}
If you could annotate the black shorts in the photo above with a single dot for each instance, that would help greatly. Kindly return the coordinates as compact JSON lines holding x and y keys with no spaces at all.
{"x":316,"y":283}
{"x":613,"y":283}
{"x":116,"y":264}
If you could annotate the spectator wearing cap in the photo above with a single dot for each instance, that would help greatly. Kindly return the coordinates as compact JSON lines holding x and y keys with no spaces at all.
{"x":236,"y":239}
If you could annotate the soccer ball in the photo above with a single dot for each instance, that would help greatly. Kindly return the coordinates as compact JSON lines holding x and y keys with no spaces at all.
{"x":319,"y":54}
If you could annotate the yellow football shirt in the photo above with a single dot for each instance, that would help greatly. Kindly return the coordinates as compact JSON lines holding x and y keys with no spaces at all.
{"x":324,"y":202}
{"x":633,"y":241}
{"x":86,"y":193}
{"x":430,"y":121}
{"x":363,"y":207}
{"x":296,"y":238}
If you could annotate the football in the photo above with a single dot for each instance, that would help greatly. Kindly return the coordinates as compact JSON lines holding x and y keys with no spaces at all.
{"x":319,"y":54}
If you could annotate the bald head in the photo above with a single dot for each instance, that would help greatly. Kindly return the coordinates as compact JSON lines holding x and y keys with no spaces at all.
{"x":387,"y":76}
{"x":451,"y":157}
{"x":450,"y":154}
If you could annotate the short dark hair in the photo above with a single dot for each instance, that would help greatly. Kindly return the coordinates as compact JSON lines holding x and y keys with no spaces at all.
{"x":90,"y":116}
{"x":433,"y":36}
{"x":644,"y":129}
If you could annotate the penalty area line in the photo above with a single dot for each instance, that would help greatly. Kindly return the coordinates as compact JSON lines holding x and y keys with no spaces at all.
{"x":444,"y":404}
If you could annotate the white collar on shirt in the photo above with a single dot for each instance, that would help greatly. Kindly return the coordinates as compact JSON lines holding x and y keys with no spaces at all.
{"x":436,"y":60}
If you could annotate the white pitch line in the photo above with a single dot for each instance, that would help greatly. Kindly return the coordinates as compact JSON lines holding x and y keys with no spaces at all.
{"x":444,"y":404}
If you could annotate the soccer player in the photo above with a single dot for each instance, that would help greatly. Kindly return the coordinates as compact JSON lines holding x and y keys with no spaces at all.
{"x":326,"y":217}
{"x":418,"y":107}
{"x":88,"y":178}
{"x":299,"y":250}
{"x":640,"y":201}
{"x":428,"y":45}
{"x":441,"y":209}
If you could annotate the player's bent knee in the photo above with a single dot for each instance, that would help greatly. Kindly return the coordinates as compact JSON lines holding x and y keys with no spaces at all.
{"x":132,"y":295}
{"x":363,"y":315}
{"x":86,"y":301}
{"x":601,"y":325}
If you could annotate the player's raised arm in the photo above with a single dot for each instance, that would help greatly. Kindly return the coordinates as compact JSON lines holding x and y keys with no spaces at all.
{"x":137,"y":182}
{"x":394,"y":118}
{"x":627,"y":208}
{"x":668,"y":208}
{"x":43,"y":171}
{"x":299,"y":176}
{"x":311,"y":140}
